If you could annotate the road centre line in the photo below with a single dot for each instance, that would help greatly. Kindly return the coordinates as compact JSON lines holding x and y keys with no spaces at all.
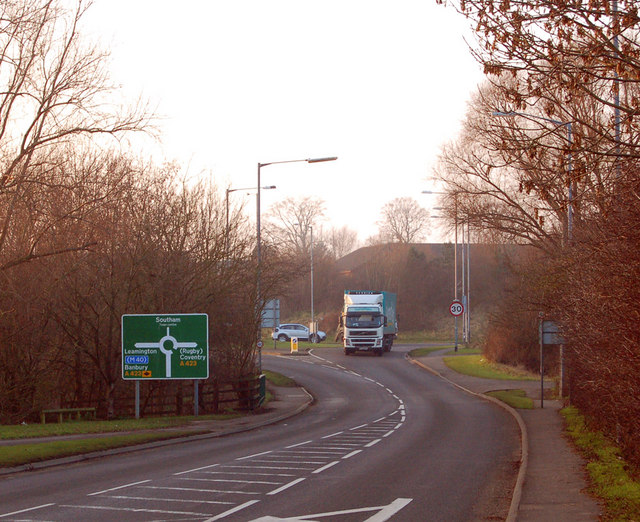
{"x":255,"y":455}
{"x":232,"y":511}
{"x":286,"y":486}
{"x":345,"y":445}
{"x":197,"y":490}
{"x":253,"y":474}
{"x":27,"y":509}
{"x":232,"y":480}
{"x":349,"y":455}
{"x":307,"y":452}
{"x":358,"y":427}
{"x":326,"y":466}
{"x":199,"y":501}
{"x":270,"y":467}
{"x":196,"y":469}
{"x":372,"y":443}
{"x":137,"y":510}
{"x":288,"y":462}
{"x":118,"y":487}
{"x":332,"y":435}
{"x":299,"y":444}
{"x":391,"y":432}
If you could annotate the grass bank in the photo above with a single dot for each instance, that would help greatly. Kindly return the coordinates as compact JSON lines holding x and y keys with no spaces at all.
{"x":515,"y":398}
{"x":610,"y":476}
{"x":21,"y":454}
{"x":140,"y":431}
{"x":476,"y":365}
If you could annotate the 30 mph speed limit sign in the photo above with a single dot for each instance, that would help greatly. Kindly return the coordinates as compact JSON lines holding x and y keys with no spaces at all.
{"x":456,"y":308}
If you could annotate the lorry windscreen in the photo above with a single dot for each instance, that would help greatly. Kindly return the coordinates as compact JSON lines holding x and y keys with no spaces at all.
{"x":367,"y":320}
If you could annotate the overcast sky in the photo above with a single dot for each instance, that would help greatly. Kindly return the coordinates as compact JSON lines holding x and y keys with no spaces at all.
{"x":381,"y":85}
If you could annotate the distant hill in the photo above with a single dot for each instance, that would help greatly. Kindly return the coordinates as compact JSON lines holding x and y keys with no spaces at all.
{"x":364,"y":255}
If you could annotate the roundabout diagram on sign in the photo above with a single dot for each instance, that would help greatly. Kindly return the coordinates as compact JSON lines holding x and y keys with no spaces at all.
{"x":163,"y":345}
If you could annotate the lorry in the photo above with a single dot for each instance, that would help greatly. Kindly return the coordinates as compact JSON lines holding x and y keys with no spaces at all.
{"x":368,"y":321}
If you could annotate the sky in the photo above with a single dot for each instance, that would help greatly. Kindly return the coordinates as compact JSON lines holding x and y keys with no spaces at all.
{"x":381,"y":85}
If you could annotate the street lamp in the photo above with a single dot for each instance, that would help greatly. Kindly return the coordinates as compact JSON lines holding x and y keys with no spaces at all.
{"x":258,"y":240}
{"x":229,"y":190}
{"x":314,"y":330}
{"x":455,"y":259}
{"x":568,"y":126}
{"x":557,"y":123}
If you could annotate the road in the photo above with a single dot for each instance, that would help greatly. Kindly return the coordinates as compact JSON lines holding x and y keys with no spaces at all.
{"x":384,"y":440}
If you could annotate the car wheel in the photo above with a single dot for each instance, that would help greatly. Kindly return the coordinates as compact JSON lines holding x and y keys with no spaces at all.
{"x":282,"y":338}
{"x":313,"y":338}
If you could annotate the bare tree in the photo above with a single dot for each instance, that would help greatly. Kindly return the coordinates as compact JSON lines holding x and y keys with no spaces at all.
{"x":289,"y":223}
{"x":340,"y":241}
{"x":404,"y":221}
{"x":55,"y":96}
{"x":565,"y":53}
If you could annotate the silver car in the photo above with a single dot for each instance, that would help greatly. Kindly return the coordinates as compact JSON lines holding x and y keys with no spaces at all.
{"x":287,"y":331}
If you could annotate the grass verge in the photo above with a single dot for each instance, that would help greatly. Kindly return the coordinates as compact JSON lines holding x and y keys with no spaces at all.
{"x":607,"y":469}
{"x":29,"y":453}
{"x":25,"y":431}
{"x":421,"y":352}
{"x":477,"y":366}
{"x":277,"y":379}
{"x":515,"y":398}
{"x":21,"y":454}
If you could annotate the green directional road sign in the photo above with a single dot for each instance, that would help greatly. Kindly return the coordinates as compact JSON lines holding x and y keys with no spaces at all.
{"x":168,"y":346}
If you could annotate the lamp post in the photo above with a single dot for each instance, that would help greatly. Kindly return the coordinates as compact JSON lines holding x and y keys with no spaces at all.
{"x":455,"y":260}
{"x":314,"y":330}
{"x":258,"y":240}
{"x":229,"y":190}
{"x":568,"y":126}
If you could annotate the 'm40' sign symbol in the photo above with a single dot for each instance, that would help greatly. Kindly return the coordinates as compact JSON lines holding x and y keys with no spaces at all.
{"x":456,"y":308}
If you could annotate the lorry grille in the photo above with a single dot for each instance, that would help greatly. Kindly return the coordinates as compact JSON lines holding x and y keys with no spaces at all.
{"x":363,"y":333}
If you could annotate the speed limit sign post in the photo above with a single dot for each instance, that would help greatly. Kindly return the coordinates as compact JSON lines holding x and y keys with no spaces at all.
{"x":456,"y":308}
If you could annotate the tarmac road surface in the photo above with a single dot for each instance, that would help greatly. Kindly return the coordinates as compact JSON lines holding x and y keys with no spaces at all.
{"x":383,"y":441}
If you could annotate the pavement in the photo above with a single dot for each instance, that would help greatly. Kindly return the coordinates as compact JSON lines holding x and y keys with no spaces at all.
{"x":550,"y":486}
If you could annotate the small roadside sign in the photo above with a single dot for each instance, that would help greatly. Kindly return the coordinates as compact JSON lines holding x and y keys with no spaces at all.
{"x":551,"y":333}
{"x":456,"y":308}
{"x":166,"y":346}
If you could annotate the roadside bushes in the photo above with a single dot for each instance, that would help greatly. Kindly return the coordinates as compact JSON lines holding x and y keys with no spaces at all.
{"x":598,"y":305}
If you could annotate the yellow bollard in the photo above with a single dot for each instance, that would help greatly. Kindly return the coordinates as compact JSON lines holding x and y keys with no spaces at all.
{"x":294,"y":345}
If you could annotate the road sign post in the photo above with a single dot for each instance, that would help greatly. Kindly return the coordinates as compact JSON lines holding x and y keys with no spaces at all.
{"x":167,"y":346}
{"x":456,"y":309}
